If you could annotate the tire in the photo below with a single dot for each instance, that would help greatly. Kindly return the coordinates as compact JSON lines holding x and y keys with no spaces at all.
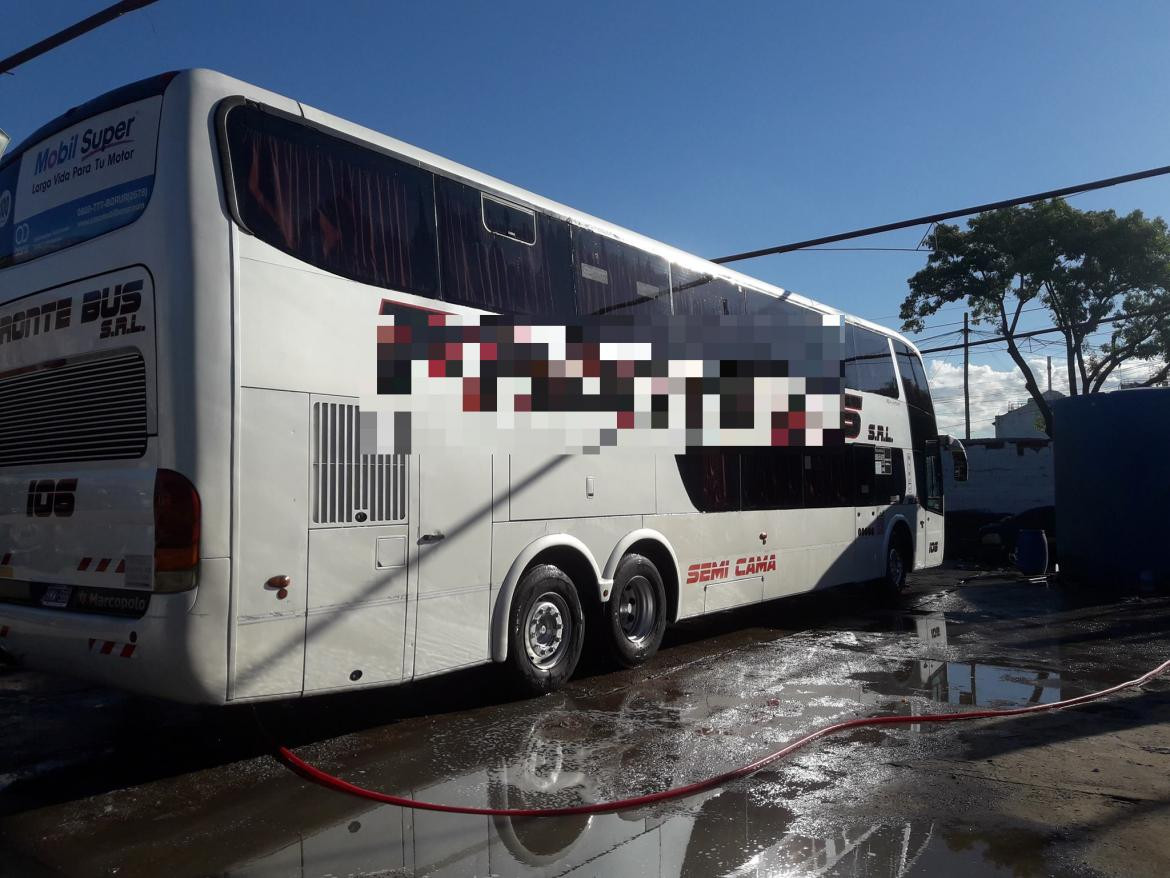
{"x":634,"y":618}
{"x":546,"y":631}
{"x":897,"y":565}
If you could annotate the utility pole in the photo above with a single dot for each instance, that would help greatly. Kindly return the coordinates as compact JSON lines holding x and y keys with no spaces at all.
{"x":966,"y":384}
{"x":1050,"y":373}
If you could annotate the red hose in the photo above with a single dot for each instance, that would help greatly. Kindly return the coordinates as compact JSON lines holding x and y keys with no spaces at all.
{"x":335,"y":783}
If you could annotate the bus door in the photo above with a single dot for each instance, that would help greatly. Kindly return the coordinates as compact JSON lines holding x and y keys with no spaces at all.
{"x":453,"y":539}
{"x":932,"y":505}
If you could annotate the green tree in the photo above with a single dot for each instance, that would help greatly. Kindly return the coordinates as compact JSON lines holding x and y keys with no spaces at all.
{"x":1083,"y":267}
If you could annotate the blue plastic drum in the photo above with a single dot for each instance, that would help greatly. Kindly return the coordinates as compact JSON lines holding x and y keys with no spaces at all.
{"x":1032,"y":553}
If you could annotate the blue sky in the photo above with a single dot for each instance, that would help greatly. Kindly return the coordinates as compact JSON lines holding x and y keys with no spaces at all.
{"x":713,"y":127}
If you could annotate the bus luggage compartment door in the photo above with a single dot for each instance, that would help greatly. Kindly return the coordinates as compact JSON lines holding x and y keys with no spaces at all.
{"x":454,"y":545}
{"x":272,"y":541}
{"x":356,"y":629}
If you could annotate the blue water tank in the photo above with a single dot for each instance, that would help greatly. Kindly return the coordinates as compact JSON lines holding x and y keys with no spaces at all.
{"x":1112,"y":463}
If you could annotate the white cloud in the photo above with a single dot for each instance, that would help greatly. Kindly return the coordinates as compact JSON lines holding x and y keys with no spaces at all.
{"x":994,"y":391}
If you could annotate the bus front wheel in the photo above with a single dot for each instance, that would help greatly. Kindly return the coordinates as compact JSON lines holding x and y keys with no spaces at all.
{"x":897,"y":565}
{"x":635,"y":617}
{"x":547,"y":630}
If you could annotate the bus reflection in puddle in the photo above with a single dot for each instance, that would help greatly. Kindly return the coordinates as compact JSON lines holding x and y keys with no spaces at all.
{"x":959,"y":683}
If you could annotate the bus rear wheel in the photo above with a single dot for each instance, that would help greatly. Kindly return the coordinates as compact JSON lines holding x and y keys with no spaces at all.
{"x":635,"y":617}
{"x":546,"y":631}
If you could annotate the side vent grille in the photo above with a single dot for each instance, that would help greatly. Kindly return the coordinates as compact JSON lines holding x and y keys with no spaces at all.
{"x":350,"y":487}
{"x":85,"y":409}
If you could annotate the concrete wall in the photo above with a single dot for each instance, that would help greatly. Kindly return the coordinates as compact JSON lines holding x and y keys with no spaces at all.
{"x":1006,"y":476}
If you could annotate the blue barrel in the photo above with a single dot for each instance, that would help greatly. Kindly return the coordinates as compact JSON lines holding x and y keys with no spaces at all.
{"x":1032,"y":552}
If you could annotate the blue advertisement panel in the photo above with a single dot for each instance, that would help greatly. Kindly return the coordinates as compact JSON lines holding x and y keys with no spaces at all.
{"x":89,"y":179}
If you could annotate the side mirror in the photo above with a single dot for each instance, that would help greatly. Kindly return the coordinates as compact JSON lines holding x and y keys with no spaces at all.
{"x":4,"y":140}
{"x":958,"y":455}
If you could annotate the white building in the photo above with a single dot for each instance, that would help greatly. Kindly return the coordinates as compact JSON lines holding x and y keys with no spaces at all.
{"x":1024,"y":421}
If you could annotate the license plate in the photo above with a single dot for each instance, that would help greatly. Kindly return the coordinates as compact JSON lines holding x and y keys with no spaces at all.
{"x":56,"y":596}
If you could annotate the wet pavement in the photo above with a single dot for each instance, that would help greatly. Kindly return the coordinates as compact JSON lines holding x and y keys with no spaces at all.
{"x":96,"y":783}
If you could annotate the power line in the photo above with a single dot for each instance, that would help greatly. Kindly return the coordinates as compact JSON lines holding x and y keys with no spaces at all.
{"x":72,"y":32}
{"x":1035,"y":332}
{"x":856,"y":249}
{"x":950,"y":214}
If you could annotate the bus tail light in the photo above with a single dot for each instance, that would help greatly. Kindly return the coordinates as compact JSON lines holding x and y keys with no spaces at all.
{"x":177,"y":514}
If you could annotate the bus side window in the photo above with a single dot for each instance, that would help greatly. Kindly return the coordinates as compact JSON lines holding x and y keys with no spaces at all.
{"x":914,"y":385}
{"x":934,"y":482}
{"x":711,"y":478}
{"x":889,"y":481}
{"x":500,"y":270}
{"x":702,"y":295}
{"x":827,"y":477}
{"x":868,"y":366}
{"x":864,"y":480}
{"x":772,"y":478}
{"x":615,"y":278}
{"x":334,"y":204}
{"x":781,"y":309}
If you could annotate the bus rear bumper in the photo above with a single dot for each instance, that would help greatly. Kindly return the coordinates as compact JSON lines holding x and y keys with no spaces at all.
{"x":177,"y":651}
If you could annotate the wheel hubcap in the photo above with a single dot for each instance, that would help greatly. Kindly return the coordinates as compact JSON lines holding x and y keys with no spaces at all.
{"x":896,"y":570}
{"x":637,"y":609}
{"x":546,"y":630}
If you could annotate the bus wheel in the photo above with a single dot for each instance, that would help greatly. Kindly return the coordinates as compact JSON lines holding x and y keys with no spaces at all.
{"x":897,"y":566}
{"x":547,"y":630}
{"x":635,"y":616}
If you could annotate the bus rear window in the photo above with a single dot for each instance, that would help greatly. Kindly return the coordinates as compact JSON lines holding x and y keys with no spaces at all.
{"x":349,"y":210}
{"x":81,"y":181}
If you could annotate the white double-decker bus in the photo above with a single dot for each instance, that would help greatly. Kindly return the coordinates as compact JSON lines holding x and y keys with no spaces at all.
{"x":191,"y":272}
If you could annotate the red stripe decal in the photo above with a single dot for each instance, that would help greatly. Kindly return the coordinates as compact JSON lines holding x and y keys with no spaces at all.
{"x":128,"y":650}
{"x":107,"y":647}
{"x":84,"y":563}
{"x":7,"y":559}
{"x":121,"y":568}
{"x":102,"y":565}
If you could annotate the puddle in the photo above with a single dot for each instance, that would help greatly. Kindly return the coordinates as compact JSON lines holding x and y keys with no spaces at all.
{"x":722,"y":835}
{"x":853,"y":805}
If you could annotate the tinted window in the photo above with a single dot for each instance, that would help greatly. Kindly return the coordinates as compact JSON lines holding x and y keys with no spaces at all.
{"x":827,"y":477}
{"x":613,"y":277}
{"x":494,"y":271}
{"x":772,"y":478}
{"x":863,"y":474}
{"x":914,"y":385}
{"x":879,"y":475}
{"x":933,"y":492}
{"x":347,"y":209}
{"x":509,"y":220}
{"x":778,"y":307}
{"x":702,"y":295}
{"x":868,"y":366}
{"x":923,"y":431}
{"x":711,"y":479}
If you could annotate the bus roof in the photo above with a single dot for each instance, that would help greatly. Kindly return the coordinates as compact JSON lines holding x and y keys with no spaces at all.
{"x":231,"y":86}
